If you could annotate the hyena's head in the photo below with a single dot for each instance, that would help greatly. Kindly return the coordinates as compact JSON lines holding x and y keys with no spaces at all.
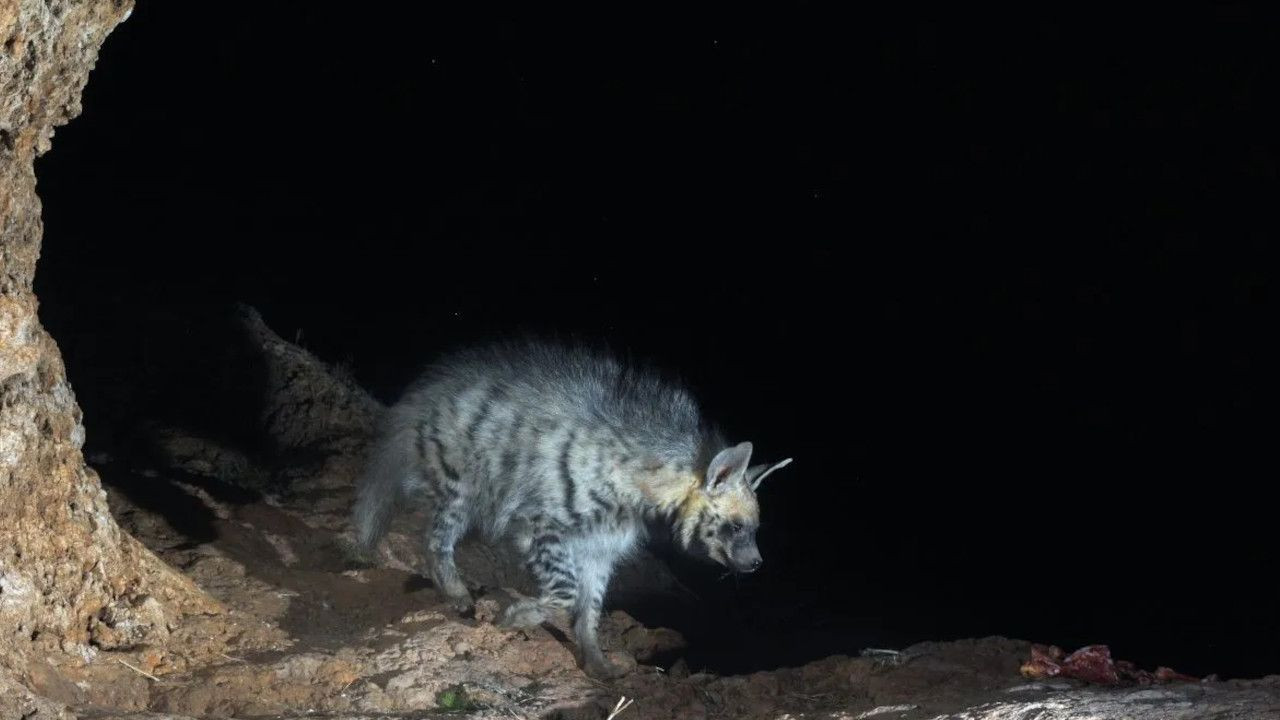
{"x":721,"y":515}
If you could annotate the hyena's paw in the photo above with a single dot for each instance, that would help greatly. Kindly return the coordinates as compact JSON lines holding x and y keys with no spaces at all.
{"x":523,"y":614}
{"x":456,"y":595}
{"x":355,"y":556}
{"x":462,"y":604}
{"x":601,"y":669}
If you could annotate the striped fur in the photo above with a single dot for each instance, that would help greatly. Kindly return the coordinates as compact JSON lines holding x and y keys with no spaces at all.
{"x":570,"y":454}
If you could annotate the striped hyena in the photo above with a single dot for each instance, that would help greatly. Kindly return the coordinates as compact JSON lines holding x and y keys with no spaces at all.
{"x":571,"y":454}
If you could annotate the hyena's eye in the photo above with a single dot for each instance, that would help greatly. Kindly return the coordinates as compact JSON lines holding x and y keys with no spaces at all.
{"x":730,"y":529}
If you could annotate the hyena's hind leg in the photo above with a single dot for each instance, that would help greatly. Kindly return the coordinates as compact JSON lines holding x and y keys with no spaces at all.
{"x":448,"y":525}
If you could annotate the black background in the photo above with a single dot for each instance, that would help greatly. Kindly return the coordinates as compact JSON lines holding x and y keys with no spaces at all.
{"x":997,"y":283}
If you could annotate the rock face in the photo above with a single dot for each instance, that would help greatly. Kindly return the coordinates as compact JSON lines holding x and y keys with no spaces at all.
{"x":70,"y":581}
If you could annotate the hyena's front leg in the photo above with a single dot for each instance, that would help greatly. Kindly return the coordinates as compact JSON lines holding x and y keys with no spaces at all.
{"x":593,"y":580}
{"x":552,"y":566}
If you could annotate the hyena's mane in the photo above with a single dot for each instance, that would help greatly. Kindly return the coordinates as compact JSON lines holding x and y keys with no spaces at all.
{"x":590,"y":383}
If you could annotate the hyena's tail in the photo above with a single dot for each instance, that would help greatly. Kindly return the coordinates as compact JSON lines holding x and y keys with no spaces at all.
{"x":390,"y":460}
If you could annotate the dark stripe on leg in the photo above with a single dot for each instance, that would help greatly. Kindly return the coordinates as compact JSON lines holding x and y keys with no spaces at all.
{"x":449,"y":472}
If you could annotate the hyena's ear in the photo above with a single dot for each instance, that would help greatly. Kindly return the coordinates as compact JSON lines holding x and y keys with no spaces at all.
{"x":727,"y":467}
{"x":757,"y":473}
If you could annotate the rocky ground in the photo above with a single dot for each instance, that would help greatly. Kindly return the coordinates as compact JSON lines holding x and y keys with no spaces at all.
{"x":332,"y":635}
{"x":316,"y":630}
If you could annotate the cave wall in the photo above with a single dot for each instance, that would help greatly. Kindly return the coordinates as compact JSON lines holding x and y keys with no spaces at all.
{"x":66,"y":568}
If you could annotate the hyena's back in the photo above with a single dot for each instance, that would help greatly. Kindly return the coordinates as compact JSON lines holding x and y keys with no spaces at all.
{"x":515,"y":431}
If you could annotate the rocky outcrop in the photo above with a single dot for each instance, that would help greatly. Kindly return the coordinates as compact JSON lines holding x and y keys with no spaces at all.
{"x":1239,"y":701}
{"x":307,"y":405}
{"x":71,"y":583}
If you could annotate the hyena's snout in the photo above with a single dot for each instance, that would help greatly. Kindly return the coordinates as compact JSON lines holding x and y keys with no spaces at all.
{"x":746,"y":558}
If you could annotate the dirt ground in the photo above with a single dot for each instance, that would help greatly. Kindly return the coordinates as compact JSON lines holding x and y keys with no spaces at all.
{"x":326,"y":633}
